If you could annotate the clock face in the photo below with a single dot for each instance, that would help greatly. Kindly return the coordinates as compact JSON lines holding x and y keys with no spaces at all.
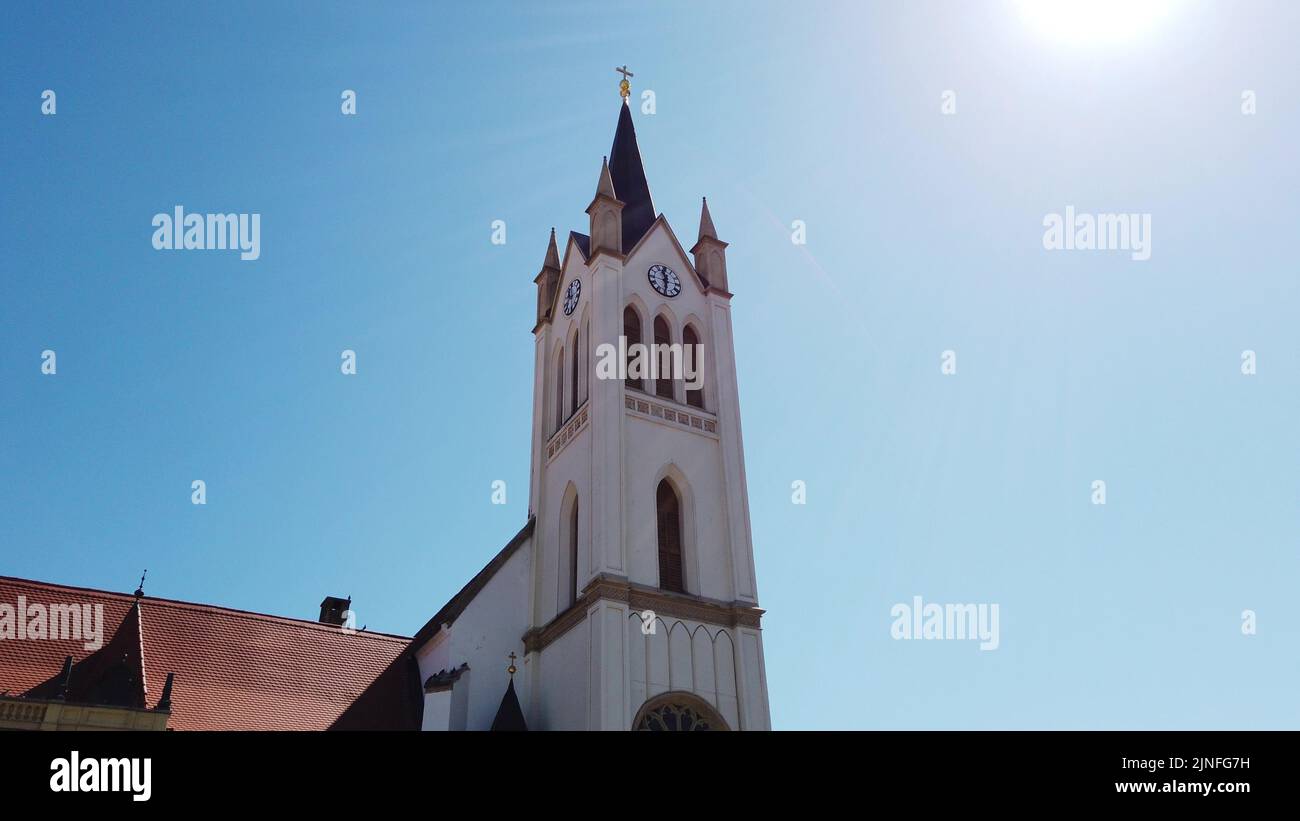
{"x":571,"y":295}
{"x":664,"y":280}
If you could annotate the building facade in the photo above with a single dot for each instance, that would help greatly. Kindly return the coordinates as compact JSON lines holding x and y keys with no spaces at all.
{"x":630,"y":595}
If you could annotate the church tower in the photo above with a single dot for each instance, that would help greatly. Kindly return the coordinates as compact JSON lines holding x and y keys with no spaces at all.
{"x":643,"y":604}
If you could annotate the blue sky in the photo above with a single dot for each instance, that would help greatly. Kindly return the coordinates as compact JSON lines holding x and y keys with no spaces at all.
{"x":924,"y":235}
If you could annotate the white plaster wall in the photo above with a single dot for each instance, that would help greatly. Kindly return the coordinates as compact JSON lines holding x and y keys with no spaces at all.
{"x":660,"y":448}
{"x":757,"y":716}
{"x":573,"y":464}
{"x":437,"y":711}
{"x":562,"y":701}
{"x":434,"y":656}
{"x":482,"y":637}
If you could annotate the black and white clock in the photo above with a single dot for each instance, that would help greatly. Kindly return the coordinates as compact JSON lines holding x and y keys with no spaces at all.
{"x":664,"y":280}
{"x":571,"y":295}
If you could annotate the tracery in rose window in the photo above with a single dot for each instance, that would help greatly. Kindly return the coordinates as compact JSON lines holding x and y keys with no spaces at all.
{"x":675,"y":718}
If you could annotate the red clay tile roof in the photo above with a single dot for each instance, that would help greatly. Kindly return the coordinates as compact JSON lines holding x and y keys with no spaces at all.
{"x":235,"y":670}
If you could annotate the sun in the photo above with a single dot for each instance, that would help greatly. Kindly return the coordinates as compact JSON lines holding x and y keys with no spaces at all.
{"x":1093,"y":22}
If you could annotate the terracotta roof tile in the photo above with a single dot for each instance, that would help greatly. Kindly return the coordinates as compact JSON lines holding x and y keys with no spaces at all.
{"x":235,"y":670}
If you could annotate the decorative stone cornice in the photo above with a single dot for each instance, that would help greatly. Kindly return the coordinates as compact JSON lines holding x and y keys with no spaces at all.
{"x":537,"y":638}
{"x":38,"y":714}
{"x":444,"y":679}
{"x":641,"y":597}
{"x":672,"y":414}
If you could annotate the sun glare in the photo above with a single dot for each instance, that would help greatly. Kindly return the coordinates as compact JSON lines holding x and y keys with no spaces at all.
{"x":1089,"y":22}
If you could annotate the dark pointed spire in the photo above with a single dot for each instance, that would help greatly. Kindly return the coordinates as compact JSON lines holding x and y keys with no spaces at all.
{"x":628,"y":175}
{"x":510,"y":717}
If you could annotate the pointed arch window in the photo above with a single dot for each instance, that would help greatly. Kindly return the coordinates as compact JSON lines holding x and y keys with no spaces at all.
{"x":559,"y":390}
{"x":691,"y":348}
{"x":586,"y":385}
{"x":665,"y":376}
{"x":573,"y":387}
{"x":632,"y":331}
{"x":669,"y":519}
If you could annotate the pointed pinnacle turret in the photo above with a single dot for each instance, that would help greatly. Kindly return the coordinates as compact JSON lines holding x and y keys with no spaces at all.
{"x":710,"y":253}
{"x":606,"y":184}
{"x":606,"y":215}
{"x":706,"y":223}
{"x":552,"y":254}
{"x":548,"y":282}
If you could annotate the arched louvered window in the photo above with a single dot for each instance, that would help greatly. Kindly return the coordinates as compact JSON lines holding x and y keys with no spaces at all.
{"x":691,"y":348}
{"x":573,"y":552}
{"x":573,"y":387}
{"x":664,"y":377}
{"x":559,"y":390}
{"x":586,"y":385}
{"x":669,"y":516}
{"x":632,"y":331}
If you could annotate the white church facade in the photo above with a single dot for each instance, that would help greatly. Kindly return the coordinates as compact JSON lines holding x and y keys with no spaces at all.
{"x":629,"y":598}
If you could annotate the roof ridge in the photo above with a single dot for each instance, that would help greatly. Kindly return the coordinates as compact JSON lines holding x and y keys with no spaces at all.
{"x":139,"y":649}
{"x":458,"y":602}
{"x":234,"y":611}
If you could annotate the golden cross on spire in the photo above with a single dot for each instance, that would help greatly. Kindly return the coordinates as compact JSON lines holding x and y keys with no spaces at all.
{"x":624,"y":87}
{"x":512,"y":669}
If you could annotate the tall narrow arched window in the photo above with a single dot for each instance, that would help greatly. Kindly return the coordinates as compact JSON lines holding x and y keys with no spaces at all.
{"x":664,"y":377}
{"x":668,"y":510}
{"x":573,"y":388}
{"x":559,"y":390}
{"x":632,"y":332}
{"x":573,"y":553}
{"x":586,"y":383}
{"x":692,"y":351}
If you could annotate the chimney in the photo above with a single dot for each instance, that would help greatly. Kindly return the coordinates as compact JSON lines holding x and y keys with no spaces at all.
{"x":333,"y":608}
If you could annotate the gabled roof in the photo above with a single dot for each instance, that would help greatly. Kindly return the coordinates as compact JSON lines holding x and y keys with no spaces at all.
{"x":235,"y":670}
{"x":672,"y":236}
{"x":583,"y":242}
{"x":630,"y":186}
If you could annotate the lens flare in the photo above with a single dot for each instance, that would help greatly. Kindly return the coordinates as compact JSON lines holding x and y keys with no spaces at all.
{"x":1089,"y":22}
